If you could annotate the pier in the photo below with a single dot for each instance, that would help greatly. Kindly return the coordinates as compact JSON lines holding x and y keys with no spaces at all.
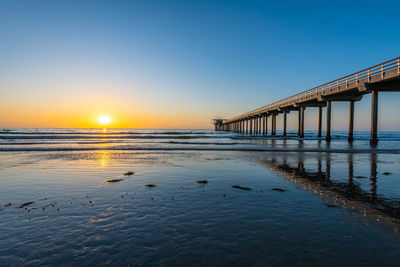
{"x":384,"y":77}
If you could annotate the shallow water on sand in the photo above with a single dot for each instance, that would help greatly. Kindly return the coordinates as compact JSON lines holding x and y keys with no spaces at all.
{"x":304,"y":207}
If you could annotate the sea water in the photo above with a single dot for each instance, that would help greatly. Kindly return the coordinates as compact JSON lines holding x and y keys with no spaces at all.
{"x":310,"y":203}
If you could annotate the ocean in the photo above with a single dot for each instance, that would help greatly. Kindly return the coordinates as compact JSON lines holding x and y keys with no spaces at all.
{"x":197,"y":197}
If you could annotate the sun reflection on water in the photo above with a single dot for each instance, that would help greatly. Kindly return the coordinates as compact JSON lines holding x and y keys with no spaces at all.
{"x":103,"y":158}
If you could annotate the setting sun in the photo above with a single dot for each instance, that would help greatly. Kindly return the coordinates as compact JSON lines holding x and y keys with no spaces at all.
{"x":104,"y":119}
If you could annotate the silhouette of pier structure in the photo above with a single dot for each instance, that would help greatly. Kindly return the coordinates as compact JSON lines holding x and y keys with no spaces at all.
{"x":384,"y":77}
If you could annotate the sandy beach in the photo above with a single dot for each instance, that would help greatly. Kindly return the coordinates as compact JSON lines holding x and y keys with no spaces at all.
{"x":302,"y":207}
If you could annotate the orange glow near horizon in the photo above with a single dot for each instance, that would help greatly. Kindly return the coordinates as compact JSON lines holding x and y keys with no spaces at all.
{"x":88,"y":117}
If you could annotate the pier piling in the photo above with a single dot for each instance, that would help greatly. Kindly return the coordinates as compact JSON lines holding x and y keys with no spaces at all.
{"x":319,"y":121}
{"x":273,"y":125}
{"x":328,"y":120}
{"x":284,"y":123}
{"x":302,"y":121}
{"x":299,"y":123}
{"x":351,"y":121}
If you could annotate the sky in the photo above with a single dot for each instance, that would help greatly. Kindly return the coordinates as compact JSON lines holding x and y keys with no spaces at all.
{"x":178,"y":64}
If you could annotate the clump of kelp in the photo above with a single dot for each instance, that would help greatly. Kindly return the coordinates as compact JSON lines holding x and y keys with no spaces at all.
{"x":278,"y":189}
{"x":202,"y":181}
{"x":129,"y":173}
{"x":150,"y":185}
{"x":113,"y":180}
{"x":241,"y":187}
{"x":29,"y":205}
{"x":26,"y":204}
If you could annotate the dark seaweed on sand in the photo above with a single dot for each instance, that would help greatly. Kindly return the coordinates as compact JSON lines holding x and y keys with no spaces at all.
{"x":113,"y":181}
{"x":278,"y":189}
{"x":26,"y":204}
{"x":241,"y":187}
{"x":202,"y":181}
{"x":129,"y":173}
{"x":150,"y":185}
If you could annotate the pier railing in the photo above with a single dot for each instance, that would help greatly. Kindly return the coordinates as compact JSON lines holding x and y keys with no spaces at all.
{"x":330,"y":87}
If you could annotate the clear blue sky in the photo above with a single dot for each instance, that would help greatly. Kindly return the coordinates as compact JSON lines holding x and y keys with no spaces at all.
{"x":179,"y":59}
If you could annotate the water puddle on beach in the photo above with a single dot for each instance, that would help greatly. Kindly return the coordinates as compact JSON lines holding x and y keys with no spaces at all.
{"x":303,"y":208}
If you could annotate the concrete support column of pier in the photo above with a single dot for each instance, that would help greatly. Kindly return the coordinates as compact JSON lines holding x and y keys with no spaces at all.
{"x":302,"y":121}
{"x":351,"y":121}
{"x":284,"y":123}
{"x":299,"y":123}
{"x":266,"y":125}
{"x":251,"y":126}
{"x":259,"y":125}
{"x":273,"y":124}
{"x":262,"y":124}
{"x":374,"y":118}
{"x":319,"y":121}
{"x":247,"y":126}
{"x":328,"y":120}
{"x":256,"y":126}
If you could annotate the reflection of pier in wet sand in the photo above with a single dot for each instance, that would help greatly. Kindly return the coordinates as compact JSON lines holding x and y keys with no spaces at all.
{"x":348,"y":194}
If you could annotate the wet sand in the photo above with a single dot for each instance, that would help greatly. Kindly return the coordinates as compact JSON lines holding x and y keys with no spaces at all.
{"x":303,"y":208}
